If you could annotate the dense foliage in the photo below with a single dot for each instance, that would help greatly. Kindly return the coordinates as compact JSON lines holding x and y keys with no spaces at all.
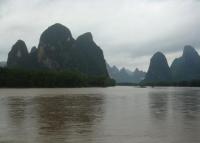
{"x":49,"y":78}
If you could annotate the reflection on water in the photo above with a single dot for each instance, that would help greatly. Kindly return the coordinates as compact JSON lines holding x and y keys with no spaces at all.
{"x":16,"y":106}
{"x":188,"y":102}
{"x":60,"y":116}
{"x":158,"y":104}
{"x":100,"y":115}
{"x":178,"y":111}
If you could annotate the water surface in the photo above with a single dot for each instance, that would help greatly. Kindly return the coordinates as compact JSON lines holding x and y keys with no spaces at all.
{"x":100,"y":115}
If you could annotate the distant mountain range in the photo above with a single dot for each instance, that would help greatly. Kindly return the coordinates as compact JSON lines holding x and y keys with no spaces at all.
{"x":184,"y":68}
{"x":124,"y":75}
{"x":58,"y":50}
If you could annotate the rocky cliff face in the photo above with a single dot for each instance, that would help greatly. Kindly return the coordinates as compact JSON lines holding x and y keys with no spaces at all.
{"x":187,"y":67}
{"x":54,"y":47}
{"x":18,"y":55}
{"x":91,"y":56}
{"x":58,"y":50}
{"x":159,"y":70}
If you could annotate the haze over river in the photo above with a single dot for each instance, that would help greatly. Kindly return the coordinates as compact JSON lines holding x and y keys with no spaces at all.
{"x":100,"y":115}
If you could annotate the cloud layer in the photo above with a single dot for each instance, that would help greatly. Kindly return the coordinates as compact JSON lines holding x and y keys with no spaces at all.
{"x":128,"y":31}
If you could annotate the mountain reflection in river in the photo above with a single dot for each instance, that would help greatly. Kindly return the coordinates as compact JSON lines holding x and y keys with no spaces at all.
{"x":100,"y":115}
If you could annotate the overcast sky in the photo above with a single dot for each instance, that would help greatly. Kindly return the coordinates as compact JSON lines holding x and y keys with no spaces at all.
{"x":128,"y":31}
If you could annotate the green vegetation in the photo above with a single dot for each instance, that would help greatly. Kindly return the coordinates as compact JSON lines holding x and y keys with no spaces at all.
{"x":127,"y":84}
{"x":49,"y":78}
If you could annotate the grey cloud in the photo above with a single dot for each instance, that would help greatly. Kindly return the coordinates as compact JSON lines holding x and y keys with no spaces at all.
{"x":1,"y":5}
{"x":1,"y":2}
{"x":128,"y":31}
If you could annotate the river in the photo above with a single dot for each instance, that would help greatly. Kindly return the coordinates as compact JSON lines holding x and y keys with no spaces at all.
{"x":100,"y":115}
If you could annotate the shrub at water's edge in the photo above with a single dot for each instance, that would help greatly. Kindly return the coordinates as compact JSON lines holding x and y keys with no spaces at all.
{"x":50,"y":78}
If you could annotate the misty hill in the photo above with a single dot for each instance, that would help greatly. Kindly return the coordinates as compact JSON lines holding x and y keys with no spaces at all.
{"x":18,"y":55}
{"x":187,"y":67}
{"x":159,"y":70}
{"x":3,"y":64}
{"x":58,"y":50}
{"x":124,"y":75}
